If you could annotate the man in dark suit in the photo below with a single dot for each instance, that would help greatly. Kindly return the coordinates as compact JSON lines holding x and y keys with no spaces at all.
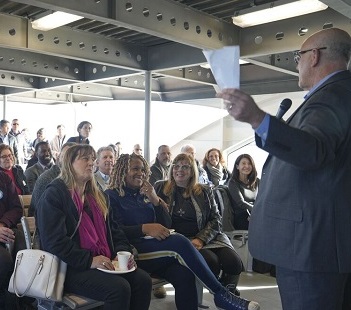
{"x":301,"y":218}
{"x":45,"y":161}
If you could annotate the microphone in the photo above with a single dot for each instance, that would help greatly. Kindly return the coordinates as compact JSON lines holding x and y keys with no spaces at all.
{"x":283,"y":108}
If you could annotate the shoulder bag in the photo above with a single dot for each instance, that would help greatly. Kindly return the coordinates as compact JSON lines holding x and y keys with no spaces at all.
{"x":38,"y":274}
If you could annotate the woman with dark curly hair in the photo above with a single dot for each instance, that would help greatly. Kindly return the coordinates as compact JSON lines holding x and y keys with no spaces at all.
{"x":145,"y":219}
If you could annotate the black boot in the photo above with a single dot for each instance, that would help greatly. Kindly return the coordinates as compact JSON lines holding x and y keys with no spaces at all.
{"x":231,"y":281}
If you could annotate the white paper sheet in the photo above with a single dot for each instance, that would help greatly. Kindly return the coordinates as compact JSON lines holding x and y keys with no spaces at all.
{"x":224,"y":64}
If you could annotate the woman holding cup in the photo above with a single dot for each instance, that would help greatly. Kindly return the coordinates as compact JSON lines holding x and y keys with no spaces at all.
{"x":74,"y":223}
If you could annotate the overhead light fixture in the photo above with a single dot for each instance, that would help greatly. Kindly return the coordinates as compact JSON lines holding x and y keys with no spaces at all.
{"x":274,"y":11}
{"x":54,"y":20}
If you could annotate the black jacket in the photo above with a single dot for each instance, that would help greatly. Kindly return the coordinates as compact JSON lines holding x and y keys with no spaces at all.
{"x":56,"y":220}
{"x":208,"y":218}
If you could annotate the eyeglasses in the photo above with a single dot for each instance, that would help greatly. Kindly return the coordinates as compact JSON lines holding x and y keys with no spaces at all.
{"x":15,"y":124}
{"x":297,"y":54}
{"x":6,"y":156}
{"x":183,"y":167}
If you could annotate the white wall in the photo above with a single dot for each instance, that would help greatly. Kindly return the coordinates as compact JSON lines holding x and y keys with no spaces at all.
{"x":117,"y":121}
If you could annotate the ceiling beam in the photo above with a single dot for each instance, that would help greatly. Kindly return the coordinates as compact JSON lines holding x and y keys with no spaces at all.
{"x":286,"y":35}
{"x":161,"y":18}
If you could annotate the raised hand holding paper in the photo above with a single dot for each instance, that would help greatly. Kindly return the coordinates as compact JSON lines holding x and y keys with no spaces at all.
{"x":225,"y":66}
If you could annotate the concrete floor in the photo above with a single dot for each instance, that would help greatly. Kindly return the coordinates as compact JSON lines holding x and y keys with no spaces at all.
{"x":253,"y":286}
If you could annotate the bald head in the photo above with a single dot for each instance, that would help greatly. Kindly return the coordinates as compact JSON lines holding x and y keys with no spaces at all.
{"x":337,"y":42}
{"x":322,"y":54}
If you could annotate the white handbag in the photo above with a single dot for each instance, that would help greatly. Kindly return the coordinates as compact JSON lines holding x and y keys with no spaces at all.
{"x":38,"y":274}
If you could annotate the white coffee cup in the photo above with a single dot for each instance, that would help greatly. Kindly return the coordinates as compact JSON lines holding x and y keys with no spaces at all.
{"x":123,"y":258}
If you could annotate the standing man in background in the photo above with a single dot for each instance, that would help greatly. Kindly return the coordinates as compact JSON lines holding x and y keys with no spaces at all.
{"x":8,"y":139}
{"x":57,"y":142}
{"x":301,"y":218}
{"x":16,"y":133}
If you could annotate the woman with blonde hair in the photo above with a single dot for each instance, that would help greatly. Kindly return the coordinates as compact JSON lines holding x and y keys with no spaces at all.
{"x":214,"y":165}
{"x":194,"y":214}
{"x":74,"y":223}
{"x":144,"y":217}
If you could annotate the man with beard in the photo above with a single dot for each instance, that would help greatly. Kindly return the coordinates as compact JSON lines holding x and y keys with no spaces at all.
{"x":45,"y":161}
{"x":159,"y":170}
{"x":104,"y":163}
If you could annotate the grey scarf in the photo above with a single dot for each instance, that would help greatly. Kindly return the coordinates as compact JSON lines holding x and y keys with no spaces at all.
{"x":216,"y":173}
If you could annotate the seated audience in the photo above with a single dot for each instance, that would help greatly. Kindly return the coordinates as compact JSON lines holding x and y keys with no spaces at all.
{"x":104,"y":163}
{"x":194,"y":214}
{"x":243,"y":188}
{"x":84,"y":128}
{"x":45,"y":178}
{"x":45,"y":161}
{"x":214,"y":165}
{"x":141,"y":213}
{"x":159,"y":170}
{"x":73,"y":199}
{"x":10,"y":215}
{"x":15,"y":172}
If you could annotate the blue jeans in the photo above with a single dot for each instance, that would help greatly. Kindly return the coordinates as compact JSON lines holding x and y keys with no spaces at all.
{"x":176,"y":249}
